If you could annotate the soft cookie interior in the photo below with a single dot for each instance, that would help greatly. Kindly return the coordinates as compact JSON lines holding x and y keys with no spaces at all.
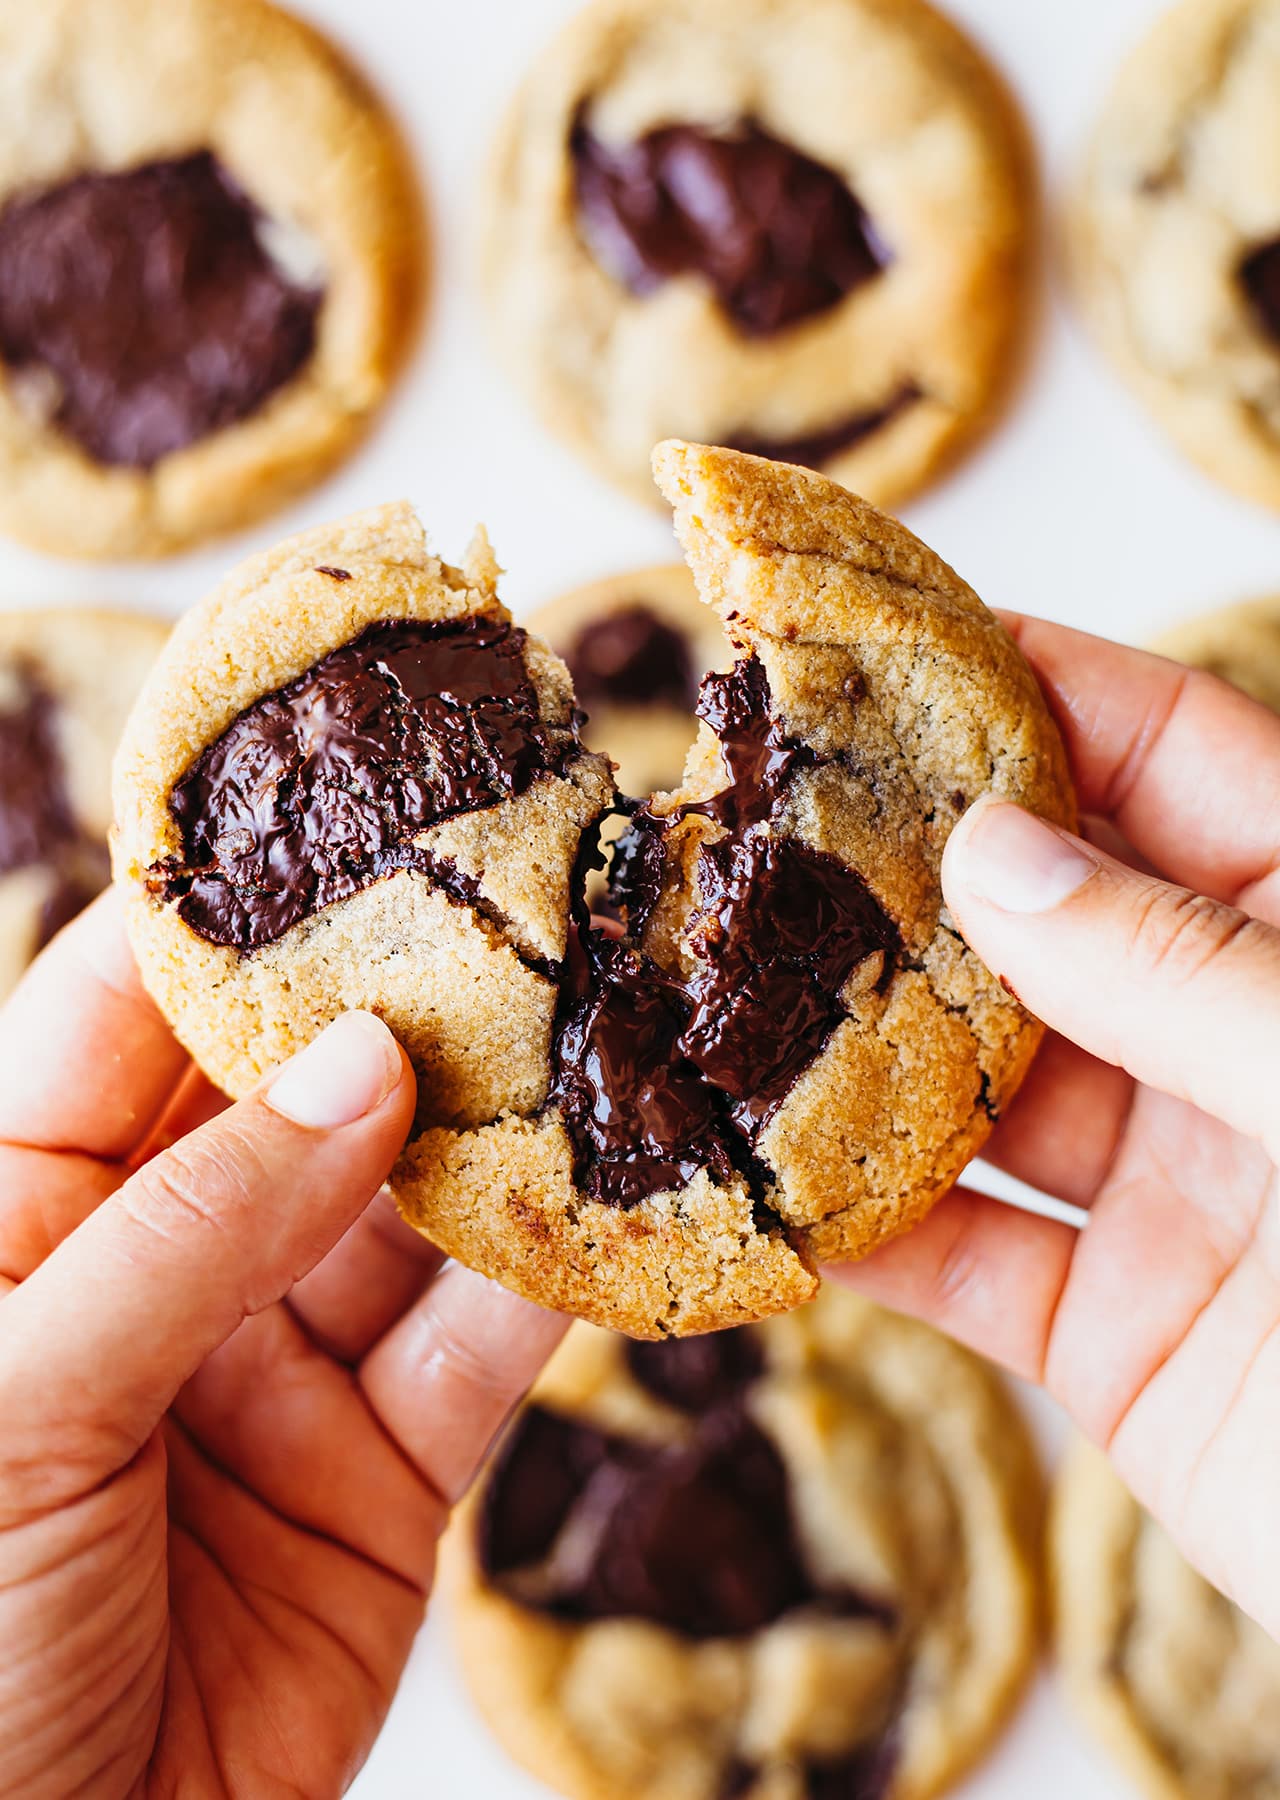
{"x":355,"y":782}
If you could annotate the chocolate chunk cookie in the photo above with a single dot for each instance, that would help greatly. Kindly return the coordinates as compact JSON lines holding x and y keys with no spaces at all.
{"x":1178,"y":1683}
{"x":208,"y":262}
{"x":786,"y":1562}
{"x":798,"y":227}
{"x":1176,"y":234}
{"x":67,"y":681}
{"x":1240,"y":643}
{"x":354,"y":782}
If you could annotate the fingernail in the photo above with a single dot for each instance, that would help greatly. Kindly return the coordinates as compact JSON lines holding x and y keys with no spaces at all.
{"x":1016,"y":861}
{"x":340,"y":1077}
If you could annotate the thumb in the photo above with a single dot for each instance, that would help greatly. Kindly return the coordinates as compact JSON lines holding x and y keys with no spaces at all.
{"x":1181,"y":991}
{"x":95,"y":1345}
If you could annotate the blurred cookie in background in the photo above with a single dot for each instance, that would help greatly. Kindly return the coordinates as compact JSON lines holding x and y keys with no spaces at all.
{"x":209,"y":265}
{"x":1176,"y":235}
{"x":782,"y":1562}
{"x":1240,"y":643}
{"x":1174,"y":1680}
{"x":637,"y":646}
{"x":794,"y":227}
{"x":67,"y":682}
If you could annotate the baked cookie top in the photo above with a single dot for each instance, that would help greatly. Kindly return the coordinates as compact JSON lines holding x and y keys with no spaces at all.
{"x":353,"y":782}
{"x":1180,"y":1685}
{"x":1241,"y":643}
{"x":799,"y":227}
{"x":784,"y":1562}
{"x":636,"y":647}
{"x":209,"y":260}
{"x":67,"y":681}
{"x":1176,"y":235}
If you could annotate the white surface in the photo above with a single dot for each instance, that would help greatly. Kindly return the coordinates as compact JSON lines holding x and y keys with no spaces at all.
{"x":1075,"y":509}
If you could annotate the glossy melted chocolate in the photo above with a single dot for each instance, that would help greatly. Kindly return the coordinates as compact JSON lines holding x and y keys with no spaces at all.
{"x":148,"y":303}
{"x":693,"y":1374}
{"x":697,"y":1536}
{"x":316,"y":791}
{"x":38,"y":827}
{"x":1260,"y":275}
{"x":816,"y":449}
{"x":778,"y":236}
{"x":631,"y":657}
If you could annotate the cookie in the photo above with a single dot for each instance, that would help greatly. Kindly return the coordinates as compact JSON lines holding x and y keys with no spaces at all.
{"x":797,"y":227}
{"x":67,"y":682}
{"x":353,"y":782}
{"x":636,"y":647}
{"x":209,"y":259}
{"x":1176,"y":235}
{"x":1240,"y":643}
{"x":1178,"y":1683}
{"x":784,"y":1562}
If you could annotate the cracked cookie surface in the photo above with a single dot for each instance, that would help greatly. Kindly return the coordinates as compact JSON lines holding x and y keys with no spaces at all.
{"x":1176,"y":235}
{"x":1180,"y":1685}
{"x":210,"y":255}
{"x":800,"y":227}
{"x":792,"y":1054}
{"x":1241,"y":643}
{"x":68,"y":678}
{"x":785,"y":1562}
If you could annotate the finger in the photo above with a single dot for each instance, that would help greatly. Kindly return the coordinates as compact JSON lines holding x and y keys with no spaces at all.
{"x":283,"y":1418}
{"x":986,"y":1273}
{"x":1140,"y":732}
{"x":1062,"y":1130}
{"x":1181,"y":992}
{"x":366,"y":1282}
{"x":86,"y":1061}
{"x":444,"y":1380}
{"x":126,"y":1309}
{"x":193,"y":1103}
{"x":43,"y":1198}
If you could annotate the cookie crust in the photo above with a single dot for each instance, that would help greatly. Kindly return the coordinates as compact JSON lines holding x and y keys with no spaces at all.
{"x":910,"y":1469}
{"x":1180,"y":183}
{"x":1176,"y":1682}
{"x":95,"y":85}
{"x":890,"y":95}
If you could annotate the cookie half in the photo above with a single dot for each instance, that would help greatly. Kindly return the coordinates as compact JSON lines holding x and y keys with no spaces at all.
{"x":209,"y":264}
{"x":1239,"y":643}
{"x":353,"y":782}
{"x":1180,"y":1685}
{"x":783,"y":1562}
{"x":1176,"y":235}
{"x":799,"y":227}
{"x":67,"y":681}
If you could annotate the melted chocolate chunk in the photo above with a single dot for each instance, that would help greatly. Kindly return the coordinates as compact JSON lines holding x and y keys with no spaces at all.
{"x":640,"y":1115}
{"x":631,"y":657}
{"x":779,"y":931}
{"x":1260,"y":276}
{"x":697,"y":1536}
{"x":695,"y":1374}
{"x":147,"y":300}
{"x":37,"y":824}
{"x":816,"y":448}
{"x":864,"y":1774}
{"x":778,"y":236}
{"x":317,"y":791}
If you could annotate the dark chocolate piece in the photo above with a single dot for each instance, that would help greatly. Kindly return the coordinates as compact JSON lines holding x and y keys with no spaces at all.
{"x":37,"y":824}
{"x":317,"y":791}
{"x":814,"y":449}
{"x":695,"y":1374}
{"x":864,"y":1774}
{"x":147,"y":298}
{"x":1260,"y":276}
{"x":778,"y":235}
{"x":696,"y":1536}
{"x":631,"y":657}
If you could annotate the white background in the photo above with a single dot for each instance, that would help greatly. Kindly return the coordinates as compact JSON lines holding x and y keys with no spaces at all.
{"x":1075,"y":508}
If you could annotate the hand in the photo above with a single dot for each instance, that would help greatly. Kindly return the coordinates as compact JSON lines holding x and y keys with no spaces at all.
{"x":237,"y":1398}
{"x":1155,"y":1102}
